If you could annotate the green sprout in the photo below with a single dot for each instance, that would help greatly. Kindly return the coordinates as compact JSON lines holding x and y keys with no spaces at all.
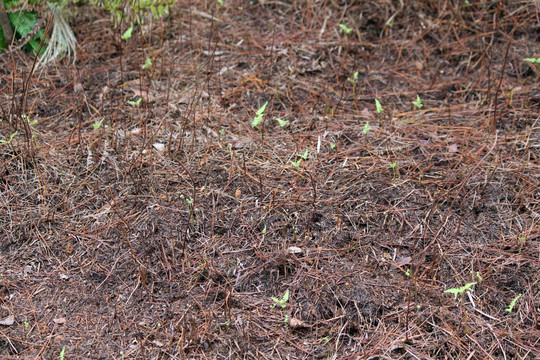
{"x":513,"y":303}
{"x":395,"y":169}
{"x":304,"y":155}
{"x":220,"y":2}
{"x":26,"y":325}
{"x":418,"y":102}
{"x":378,"y":106}
{"x":127,"y":34}
{"x":282,"y":123}
{"x":10,"y":138}
{"x":461,"y":290}
{"x":347,"y":30}
{"x":353,"y":79}
{"x":62,"y":353}
{"x":281,"y":302}
{"x":147,"y":64}
{"x":333,"y":146}
{"x":257,"y":119}
{"x":296,"y":163}
{"x":135,"y":103}
{"x":532,"y":60}
{"x":97,"y":124}
{"x":366,"y":128}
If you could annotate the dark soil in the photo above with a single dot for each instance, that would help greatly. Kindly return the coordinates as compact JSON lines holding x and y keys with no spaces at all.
{"x":167,"y":232}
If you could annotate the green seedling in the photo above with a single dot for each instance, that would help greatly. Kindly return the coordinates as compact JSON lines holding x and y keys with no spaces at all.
{"x":147,"y":64}
{"x":418,"y":102}
{"x":366,"y":128}
{"x":97,"y":124}
{"x":532,"y":60}
{"x":513,"y":303}
{"x":10,"y":138}
{"x":135,"y":103}
{"x":353,"y":79}
{"x":127,"y":34}
{"x":333,"y":146}
{"x":395,"y":169}
{"x":221,"y":131}
{"x":296,"y":163}
{"x":461,"y":290}
{"x":220,"y":2}
{"x":259,"y":115}
{"x":281,"y":302}
{"x":408,"y":272}
{"x":26,"y":325}
{"x":353,"y":82}
{"x":378,"y":106}
{"x":347,"y":30}
{"x":264,"y":230}
{"x":304,"y":155}
{"x":62,"y":353}
{"x":282,"y":123}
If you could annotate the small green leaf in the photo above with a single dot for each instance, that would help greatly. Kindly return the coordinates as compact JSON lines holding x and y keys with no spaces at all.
{"x":513,"y":303}
{"x":418,"y":102}
{"x":378,"y":106}
{"x":461,"y":290}
{"x":347,"y":30}
{"x":262,"y":109}
{"x":97,"y":124}
{"x":220,"y":2}
{"x":282,"y":123}
{"x":354,"y":78}
{"x":304,"y":155}
{"x":147,"y":64}
{"x":257,"y":119}
{"x":393,"y":165}
{"x":366,"y":128}
{"x":127,"y":33}
{"x":332,"y":146}
{"x":135,"y":103}
{"x":532,"y":60}
{"x":10,"y":138}
{"x":296,"y":163}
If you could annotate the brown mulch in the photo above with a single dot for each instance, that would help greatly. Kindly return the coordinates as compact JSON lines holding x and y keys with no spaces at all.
{"x":174,"y":229}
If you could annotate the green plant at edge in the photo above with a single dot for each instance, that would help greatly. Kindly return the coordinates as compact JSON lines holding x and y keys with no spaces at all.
{"x":10,"y":138}
{"x":281,"y":302}
{"x":62,"y":353}
{"x":532,"y":60}
{"x":461,"y":290}
{"x":513,"y":303}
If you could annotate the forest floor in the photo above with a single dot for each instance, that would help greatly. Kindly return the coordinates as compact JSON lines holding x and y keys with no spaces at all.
{"x":144,"y":216}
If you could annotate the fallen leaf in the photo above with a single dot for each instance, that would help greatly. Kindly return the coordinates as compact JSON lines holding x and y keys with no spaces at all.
{"x":297,"y":323}
{"x":366,"y":112}
{"x":159,"y":146}
{"x":294,"y":250}
{"x":60,"y":320}
{"x":8,"y":321}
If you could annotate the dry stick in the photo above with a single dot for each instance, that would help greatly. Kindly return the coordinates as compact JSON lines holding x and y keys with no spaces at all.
{"x":494,"y":120}
{"x":6,"y":25}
